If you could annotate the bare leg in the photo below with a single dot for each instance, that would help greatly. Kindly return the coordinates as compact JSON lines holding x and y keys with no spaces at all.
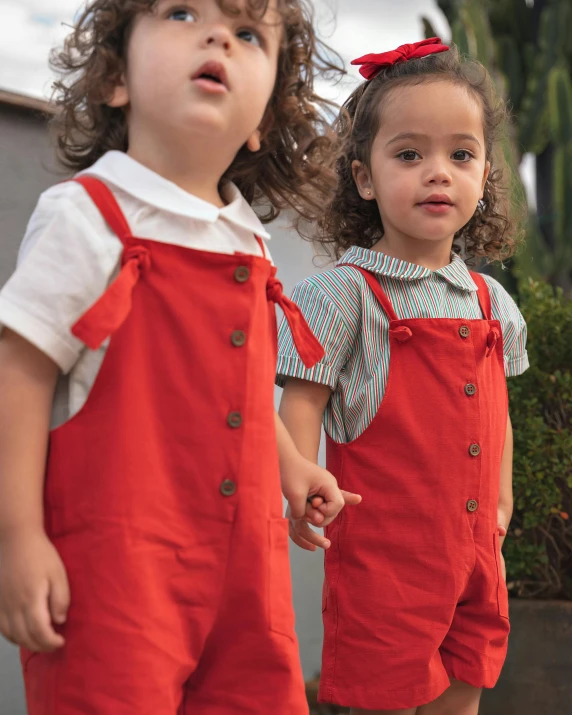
{"x":459,"y":699}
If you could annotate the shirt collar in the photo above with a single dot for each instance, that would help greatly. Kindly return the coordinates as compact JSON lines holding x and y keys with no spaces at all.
{"x":127,"y":174}
{"x":456,"y":273}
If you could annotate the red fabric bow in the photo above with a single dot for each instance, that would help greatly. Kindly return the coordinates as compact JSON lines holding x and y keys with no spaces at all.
{"x":373,"y":64}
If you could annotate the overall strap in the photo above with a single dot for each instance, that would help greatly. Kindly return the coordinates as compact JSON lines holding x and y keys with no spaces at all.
{"x":107,"y":204}
{"x":260,"y":242}
{"x":110,"y":311}
{"x":483,"y":295}
{"x":378,"y":291}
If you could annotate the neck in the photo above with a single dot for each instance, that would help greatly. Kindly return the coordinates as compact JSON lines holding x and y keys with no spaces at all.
{"x":194,"y":166}
{"x":429,"y":254}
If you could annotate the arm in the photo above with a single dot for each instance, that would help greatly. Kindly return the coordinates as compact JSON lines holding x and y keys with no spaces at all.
{"x":301,"y":409}
{"x":505,"y":494}
{"x":33,"y":584}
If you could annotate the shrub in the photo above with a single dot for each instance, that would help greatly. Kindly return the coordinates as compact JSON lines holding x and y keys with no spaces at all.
{"x":538,"y":549}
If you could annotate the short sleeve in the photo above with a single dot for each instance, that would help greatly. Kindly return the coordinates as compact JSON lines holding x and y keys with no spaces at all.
{"x":66,"y":261}
{"x":327,"y":324}
{"x":514,"y":333}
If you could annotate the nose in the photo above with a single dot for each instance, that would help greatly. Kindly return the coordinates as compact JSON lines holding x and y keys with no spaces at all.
{"x":219,"y":36}
{"x":438,"y":174}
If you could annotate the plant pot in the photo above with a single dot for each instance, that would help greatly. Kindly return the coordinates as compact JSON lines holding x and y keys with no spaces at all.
{"x":537,"y":677}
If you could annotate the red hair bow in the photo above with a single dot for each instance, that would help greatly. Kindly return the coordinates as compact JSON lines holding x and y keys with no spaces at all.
{"x":373,"y":64}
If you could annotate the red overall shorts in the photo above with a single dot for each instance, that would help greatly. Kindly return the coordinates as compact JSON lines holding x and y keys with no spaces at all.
{"x":413,"y":594}
{"x":163,"y":496}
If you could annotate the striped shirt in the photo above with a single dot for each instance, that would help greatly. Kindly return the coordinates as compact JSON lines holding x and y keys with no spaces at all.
{"x":354,"y":329}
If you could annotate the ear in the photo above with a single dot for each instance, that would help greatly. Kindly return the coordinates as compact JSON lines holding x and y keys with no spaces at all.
{"x":362,"y":178}
{"x":120,"y":94}
{"x":485,"y":177}
{"x":254,"y":141}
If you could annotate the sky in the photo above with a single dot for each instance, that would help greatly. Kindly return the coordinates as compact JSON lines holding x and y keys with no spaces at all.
{"x":29,"y":29}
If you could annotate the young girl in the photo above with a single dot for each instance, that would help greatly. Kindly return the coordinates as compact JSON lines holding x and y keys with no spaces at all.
{"x":145,"y":286}
{"x":412,"y":389}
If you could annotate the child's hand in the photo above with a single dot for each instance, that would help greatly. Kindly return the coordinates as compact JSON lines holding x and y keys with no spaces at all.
{"x":34,"y":591}
{"x":313,"y":496}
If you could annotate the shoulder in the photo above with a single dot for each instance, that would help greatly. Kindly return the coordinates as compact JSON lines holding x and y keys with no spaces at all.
{"x":504,"y":307}
{"x":340,"y":287}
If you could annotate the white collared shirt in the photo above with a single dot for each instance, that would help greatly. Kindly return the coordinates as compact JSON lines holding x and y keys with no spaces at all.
{"x":69,"y":256}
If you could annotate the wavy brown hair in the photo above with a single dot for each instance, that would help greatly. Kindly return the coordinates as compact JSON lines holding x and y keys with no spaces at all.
{"x":494,"y":230}
{"x":294,"y":167}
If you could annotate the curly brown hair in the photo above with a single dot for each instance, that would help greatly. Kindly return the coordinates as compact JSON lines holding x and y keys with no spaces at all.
{"x":493,"y":232}
{"x":294,"y":167}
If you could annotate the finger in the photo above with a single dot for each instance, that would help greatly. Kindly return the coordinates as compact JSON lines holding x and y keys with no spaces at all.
{"x":316,"y":501}
{"x":6,"y":628}
{"x":297,"y":503}
{"x":38,"y":621}
{"x":301,"y":542}
{"x":333,"y":505}
{"x":59,"y":597}
{"x":303,"y":530}
{"x":351,"y":499}
{"x":313,"y":515}
{"x":501,"y":530}
{"x":20,"y":633}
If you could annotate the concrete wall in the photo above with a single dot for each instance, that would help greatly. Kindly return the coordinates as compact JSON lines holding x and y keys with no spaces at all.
{"x":27,"y":169}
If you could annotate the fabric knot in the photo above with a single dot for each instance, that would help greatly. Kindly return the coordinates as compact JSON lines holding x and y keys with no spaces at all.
{"x":111,"y":310}
{"x":274,"y":289}
{"x":307,"y":345}
{"x":492,"y":340}
{"x":402,"y":333}
{"x":138,"y":254}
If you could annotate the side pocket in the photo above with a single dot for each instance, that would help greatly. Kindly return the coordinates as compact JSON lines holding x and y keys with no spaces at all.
{"x":502,"y":591}
{"x":280,"y":608}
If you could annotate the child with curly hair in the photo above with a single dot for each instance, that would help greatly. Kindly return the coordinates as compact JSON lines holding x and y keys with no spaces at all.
{"x":140,"y":327}
{"x":412,"y":389}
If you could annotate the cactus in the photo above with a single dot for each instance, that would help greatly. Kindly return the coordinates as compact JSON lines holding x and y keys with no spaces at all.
{"x":528,"y":50}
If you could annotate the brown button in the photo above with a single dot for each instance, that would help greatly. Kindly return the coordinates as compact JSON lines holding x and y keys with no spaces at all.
{"x":234,"y":420}
{"x":241,"y":274}
{"x":227,"y":488}
{"x":464,"y":331}
{"x":238,"y":338}
{"x":474,"y":450}
{"x":472,"y":505}
{"x":470,"y":389}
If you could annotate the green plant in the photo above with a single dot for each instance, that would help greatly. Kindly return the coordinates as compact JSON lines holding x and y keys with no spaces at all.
{"x":538,"y":549}
{"x":527,"y":47}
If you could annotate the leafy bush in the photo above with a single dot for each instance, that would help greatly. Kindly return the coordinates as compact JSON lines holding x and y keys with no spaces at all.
{"x":538,"y":549}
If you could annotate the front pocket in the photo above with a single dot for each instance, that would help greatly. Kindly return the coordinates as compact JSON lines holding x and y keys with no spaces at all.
{"x":502,"y":591}
{"x":26,"y":656}
{"x":280,"y":608}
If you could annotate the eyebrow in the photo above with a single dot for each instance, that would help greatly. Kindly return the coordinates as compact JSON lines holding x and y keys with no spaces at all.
{"x":411,"y":135}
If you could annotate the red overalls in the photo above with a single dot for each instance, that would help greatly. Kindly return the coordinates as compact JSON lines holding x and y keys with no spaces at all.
{"x":163,"y":496}
{"x":413,"y":594}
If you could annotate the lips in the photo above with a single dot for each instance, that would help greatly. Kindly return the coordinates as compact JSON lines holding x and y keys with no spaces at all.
{"x":437,"y":199}
{"x":212,"y":74}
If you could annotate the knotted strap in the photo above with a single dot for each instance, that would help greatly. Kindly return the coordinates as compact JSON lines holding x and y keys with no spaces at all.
{"x":307,"y":345}
{"x":108,"y":313}
{"x":492,"y":340}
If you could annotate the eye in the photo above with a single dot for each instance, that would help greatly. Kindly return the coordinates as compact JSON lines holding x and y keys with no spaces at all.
{"x":408,"y":155}
{"x":182,"y":14}
{"x":250,"y":36}
{"x":462,"y":155}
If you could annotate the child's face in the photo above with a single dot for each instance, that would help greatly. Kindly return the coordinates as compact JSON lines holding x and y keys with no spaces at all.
{"x":193,"y":71}
{"x":428,"y":163}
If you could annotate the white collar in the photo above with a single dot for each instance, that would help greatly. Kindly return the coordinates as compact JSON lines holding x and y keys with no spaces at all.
{"x":127,"y":174}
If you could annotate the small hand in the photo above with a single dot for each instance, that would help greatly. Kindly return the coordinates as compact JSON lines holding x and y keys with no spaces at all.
{"x":301,"y":533}
{"x":34,"y":591}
